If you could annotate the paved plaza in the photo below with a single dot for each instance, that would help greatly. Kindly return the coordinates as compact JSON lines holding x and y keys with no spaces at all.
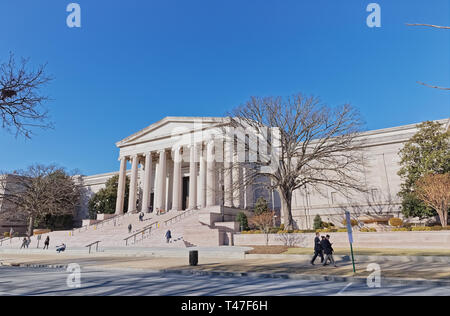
{"x":102,"y":274}
{"x":31,"y":281}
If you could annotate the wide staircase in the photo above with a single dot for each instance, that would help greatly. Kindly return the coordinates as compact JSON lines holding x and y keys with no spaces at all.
{"x":206,"y":227}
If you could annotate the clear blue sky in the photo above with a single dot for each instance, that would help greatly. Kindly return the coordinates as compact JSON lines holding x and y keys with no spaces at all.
{"x":134,"y":62}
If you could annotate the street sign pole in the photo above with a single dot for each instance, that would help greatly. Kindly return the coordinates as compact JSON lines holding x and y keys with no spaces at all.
{"x":353,"y":259}
{"x":350,"y":237}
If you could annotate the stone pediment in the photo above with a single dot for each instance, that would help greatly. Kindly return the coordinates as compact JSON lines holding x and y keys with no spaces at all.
{"x":170,"y":127}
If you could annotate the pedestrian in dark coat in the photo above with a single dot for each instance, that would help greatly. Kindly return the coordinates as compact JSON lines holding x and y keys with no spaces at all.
{"x":328,"y":250}
{"x":168,"y":236}
{"x":47,"y":242}
{"x":318,"y":251}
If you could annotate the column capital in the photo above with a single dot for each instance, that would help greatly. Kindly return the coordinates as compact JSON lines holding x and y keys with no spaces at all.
{"x":176,"y":148}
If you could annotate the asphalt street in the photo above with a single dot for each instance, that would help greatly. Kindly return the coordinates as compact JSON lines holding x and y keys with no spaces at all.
{"x":44,"y":281}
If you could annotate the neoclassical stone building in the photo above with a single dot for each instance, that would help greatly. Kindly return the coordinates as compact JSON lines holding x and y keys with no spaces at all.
{"x":179,"y":163}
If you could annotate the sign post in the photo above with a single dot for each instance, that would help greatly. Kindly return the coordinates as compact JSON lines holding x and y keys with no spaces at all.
{"x":350,"y":236}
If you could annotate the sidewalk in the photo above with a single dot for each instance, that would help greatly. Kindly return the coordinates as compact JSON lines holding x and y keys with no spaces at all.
{"x":434,"y":273}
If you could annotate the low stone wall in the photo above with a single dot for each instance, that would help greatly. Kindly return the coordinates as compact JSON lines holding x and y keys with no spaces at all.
{"x":404,"y":240}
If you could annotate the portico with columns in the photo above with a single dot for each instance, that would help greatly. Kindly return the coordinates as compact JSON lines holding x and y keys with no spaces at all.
{"x":179,"y":163}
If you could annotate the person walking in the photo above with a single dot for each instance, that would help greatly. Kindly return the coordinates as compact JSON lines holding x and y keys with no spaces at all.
{"x":24,"y":243}
{"x":47,"y":242}
{"x":328,"y":250}
{"x":28,"y":241}
{"x":168,"y":236}
{"x":318,"y":251}
{"x":130,"y":227}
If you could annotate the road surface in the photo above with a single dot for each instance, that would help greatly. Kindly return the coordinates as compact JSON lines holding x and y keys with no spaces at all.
{"x":43,"y":281}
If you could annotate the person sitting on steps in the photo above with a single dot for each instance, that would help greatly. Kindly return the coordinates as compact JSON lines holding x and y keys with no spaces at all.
{"x":61,"y":248}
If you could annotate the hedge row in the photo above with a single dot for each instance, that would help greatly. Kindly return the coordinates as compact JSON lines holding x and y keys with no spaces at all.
{"x":421,"y":229}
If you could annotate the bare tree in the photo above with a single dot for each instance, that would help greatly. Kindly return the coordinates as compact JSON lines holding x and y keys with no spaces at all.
{"x":264,"y":222}
{"x":310,"y":144}
{"x":434,"y":191}
{"x":21,"y":101}
{"x":437,"y":27}
{"x":38,"y":191}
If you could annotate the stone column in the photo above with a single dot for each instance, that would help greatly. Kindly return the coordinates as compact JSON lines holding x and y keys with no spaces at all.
{"x":133,"y":184}
{"x":236,"y":182}
{"x":147,"y":182}
{"x":227,"y":173}
{"x":202,"y":180}
{"x":161,"y":185}
{"x":176,"y":200}
{"x":121,"y":186}
{"x":193,"y":177}
{"x":210,"y":175}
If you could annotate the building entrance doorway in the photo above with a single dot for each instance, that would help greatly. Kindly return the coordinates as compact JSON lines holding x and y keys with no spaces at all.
{"x":185,"y":195}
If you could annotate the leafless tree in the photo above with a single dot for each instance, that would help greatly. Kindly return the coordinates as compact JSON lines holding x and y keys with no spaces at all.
{"x":291,"y":240}
{"x":311,"y":144}
{"x":437,"y":27}
{"x":434,"y":191}
{"x":264,"y":222}
{"x":21,"y":101}
{"x":38,"y":191}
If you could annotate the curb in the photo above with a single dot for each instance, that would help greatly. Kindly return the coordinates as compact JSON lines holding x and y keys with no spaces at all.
{"x":346,"y":258}
{"x":34,"y":266}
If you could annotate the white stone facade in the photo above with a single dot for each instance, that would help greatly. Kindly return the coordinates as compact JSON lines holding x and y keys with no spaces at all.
{"x":177,"y":164}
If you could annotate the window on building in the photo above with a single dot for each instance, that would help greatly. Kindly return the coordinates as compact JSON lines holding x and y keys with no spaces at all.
{"x":333,"y":197}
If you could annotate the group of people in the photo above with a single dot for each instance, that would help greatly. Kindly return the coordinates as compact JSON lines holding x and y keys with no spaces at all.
{"x":27,"y":241}
{"x":323,"y":246}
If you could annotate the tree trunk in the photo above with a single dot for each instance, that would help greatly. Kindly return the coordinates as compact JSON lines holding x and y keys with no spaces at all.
{"x":30,"y":226}
{"x":286,"y":201}
{"x":443,"y":216}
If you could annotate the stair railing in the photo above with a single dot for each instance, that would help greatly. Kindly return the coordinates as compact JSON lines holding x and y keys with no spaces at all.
{"x":142,"y":232}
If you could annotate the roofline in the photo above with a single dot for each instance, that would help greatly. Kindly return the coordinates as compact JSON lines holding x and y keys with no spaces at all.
{"x":167,"y":119}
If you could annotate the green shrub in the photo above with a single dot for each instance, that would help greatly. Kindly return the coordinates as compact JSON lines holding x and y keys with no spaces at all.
{"x":342,"y":230}
{"x":261,"y":206}
{"x":243,"y":221}
{"x":401,"y":229}
{"x":420,"y":228}
{"x":327,"y":230}
{"x":368,"y":230}
{"x":317,"y":222}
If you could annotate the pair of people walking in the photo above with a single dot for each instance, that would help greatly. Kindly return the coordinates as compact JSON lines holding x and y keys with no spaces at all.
{"x":322,"y":245}
{"x":26,"y":242}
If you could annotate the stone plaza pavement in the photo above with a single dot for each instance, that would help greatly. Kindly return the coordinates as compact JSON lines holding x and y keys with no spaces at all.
{"x":394,"y":271}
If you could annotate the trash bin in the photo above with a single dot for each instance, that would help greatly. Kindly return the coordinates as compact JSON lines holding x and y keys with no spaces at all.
{"x":193,"y":258}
